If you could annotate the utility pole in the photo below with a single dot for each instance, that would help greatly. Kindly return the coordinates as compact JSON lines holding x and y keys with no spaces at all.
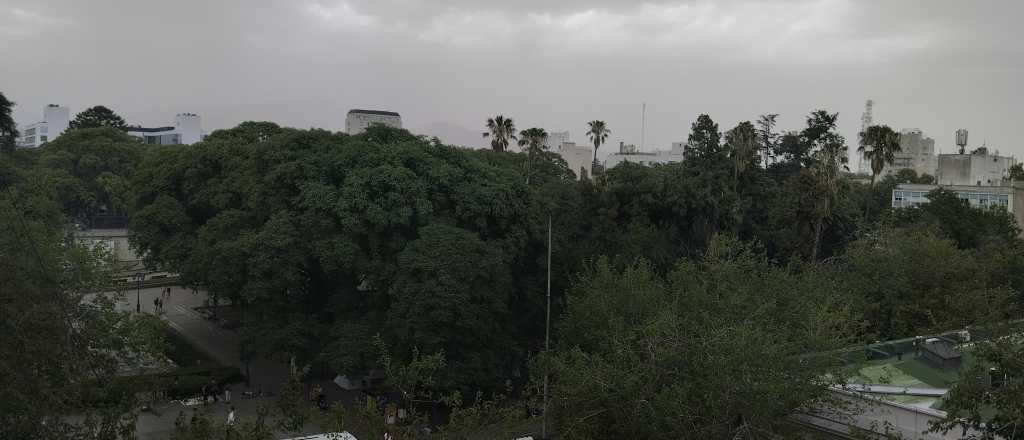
{"x":547,"y":340}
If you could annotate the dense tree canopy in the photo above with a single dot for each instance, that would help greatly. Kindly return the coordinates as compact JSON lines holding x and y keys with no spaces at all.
{"x":96,"y":117}
{"x":329,"y":242}
{"x":713,"y":349}
{"x":8,"y":129}
{"x":60,"y":348}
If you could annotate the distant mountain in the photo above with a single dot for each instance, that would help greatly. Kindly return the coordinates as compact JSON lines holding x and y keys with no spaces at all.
{"x":453,"y":134}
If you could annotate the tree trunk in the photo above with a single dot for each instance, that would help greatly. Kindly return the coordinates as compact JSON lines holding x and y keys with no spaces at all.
{"x":529,"y":156}
{"x":817,"y":238}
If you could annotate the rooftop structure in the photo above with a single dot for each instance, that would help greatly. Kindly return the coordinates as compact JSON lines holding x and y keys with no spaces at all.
{"x":187,"y":130}
{"x":978,"y":168}
{"x":55,"y":121}
{"x":941,"y":353}
{"x":630,"y":153}
{"x":358,"y":120}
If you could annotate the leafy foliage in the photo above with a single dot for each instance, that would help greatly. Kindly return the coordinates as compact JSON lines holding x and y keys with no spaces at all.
{"x":96,"y":117}
{"x":713,"y":349}
{"x":8,"y":129}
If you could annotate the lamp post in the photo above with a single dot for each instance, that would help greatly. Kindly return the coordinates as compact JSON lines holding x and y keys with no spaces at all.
{"x":139,"y":276}
{"x":547,"y":340}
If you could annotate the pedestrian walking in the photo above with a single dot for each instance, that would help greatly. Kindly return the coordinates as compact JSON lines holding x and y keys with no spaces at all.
{"x":156,"y":305}
{"x":227,"y":395}
{"x":229,"y":426}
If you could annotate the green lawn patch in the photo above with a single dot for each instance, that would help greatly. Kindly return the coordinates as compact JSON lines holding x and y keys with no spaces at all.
{"x":933,"y":377}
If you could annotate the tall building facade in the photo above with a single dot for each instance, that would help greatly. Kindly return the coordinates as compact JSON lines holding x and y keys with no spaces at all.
{"x":187,"y":130}
{"x":358,"y":120}
{"x":55,"y":121}
{"x":917,"y":152}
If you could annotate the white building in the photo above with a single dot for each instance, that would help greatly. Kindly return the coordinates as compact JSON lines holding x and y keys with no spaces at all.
{"x":358,"y":120}
{"x":1008,"y":197}
{"x":629,"y":153}
{"x":55,"y":121}
{"x":187,"y":130}
{"x":917,"y":152}
{"x":579,"y":158}
{"x":978,"y":168}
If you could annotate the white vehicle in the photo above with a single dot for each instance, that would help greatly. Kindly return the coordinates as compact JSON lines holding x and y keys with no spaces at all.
{"x":344,"y":435}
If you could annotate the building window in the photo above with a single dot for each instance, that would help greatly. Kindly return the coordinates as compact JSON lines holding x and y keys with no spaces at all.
{"x":42,"y":138}
{"x":30,"y":131}
{"x":43,"y":129}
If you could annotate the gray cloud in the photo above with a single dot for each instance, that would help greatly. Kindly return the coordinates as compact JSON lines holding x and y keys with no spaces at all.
{"x":937,"y":65}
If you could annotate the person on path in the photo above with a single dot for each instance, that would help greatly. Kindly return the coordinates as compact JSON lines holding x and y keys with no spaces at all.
{"x":230,"y":425}
{"x":156,"y":305}
{"x":227,"y":395}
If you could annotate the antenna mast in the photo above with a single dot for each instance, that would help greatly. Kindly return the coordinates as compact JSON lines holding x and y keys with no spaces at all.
{"x":866,"y":120}
{"x":643,"y":124}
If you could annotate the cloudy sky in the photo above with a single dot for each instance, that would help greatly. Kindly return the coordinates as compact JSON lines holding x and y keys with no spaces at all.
{"x":447,"y":65}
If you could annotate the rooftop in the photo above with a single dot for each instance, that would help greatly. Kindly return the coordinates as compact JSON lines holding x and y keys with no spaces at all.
{"x":373,"y":112}
{"x":148,"y":129}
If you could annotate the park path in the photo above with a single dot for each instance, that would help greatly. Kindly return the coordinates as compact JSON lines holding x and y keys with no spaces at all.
{"x":221,"y":344}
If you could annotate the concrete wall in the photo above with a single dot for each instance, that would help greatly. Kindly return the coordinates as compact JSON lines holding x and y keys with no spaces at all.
{"x":356,"y":123}
{"x":578,"y":157}
{"x":190,"y":128}
{"x":113,"y":240}
{"x":973,"y":169}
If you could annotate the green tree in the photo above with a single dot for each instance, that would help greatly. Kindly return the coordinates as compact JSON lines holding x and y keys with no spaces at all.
{"x":502,"y":132}
{"x":95,"y":117}
{"x":532,"y":141}
{"x":91,"y":169}
{"x":829,"y":159}
{"x":987,"y":397}
{"x":879,"y":144}
{"x":705,"y":140}
{"x":634,"y":360}
{"x":914,"y":281}
{"x":968,"y":226}
{"x":741,"y":144}
{"x":451,"y":295}
{"x":8,"y":129}
{"x":767,"y":136}
{"x":62,"y":345}
{"x":598,"y":132}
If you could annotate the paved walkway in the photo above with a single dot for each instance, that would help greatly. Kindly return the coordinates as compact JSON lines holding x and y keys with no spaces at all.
{"x":220,"y":344}
{"x":892,"y":389}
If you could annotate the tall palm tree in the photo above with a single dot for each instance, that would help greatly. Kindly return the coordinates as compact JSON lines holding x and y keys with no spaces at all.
{"x":598,"y":132}
{"x":502,"y":131}
{"x":829,"y":158}
{"x":532,"y":141}
{"x":879,"y":145}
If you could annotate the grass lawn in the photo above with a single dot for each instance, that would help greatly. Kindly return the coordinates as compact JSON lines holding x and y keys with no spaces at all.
{"x":933,"y":377}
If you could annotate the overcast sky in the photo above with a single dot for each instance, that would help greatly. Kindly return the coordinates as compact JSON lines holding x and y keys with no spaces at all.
{"x":448,"y":65}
